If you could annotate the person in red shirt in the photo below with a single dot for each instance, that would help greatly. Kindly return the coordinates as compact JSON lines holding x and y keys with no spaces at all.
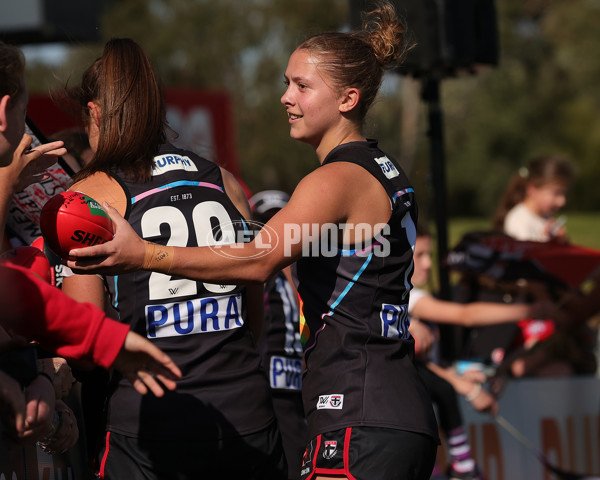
{"x":40,"y":312}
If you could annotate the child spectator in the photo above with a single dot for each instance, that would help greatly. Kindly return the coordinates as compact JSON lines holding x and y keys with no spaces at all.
{"x":532,"y":198}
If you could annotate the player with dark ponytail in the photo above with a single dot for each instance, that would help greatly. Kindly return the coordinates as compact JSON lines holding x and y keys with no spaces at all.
{"x":220,"y":423}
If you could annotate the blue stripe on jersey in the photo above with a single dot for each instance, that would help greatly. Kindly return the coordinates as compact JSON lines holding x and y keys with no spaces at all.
{"x":116,"y":298}
{"x":351,"y":283}
{"x":181,"y":183}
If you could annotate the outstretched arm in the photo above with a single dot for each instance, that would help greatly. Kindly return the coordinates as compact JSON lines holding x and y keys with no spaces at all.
{"x":478,"y":313}
{"x":80,"y":331}
{"x":331,"y":195}
{"x":238,"y":263}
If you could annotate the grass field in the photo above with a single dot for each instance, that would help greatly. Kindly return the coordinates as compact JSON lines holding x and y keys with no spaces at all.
{"x":583,"y":228}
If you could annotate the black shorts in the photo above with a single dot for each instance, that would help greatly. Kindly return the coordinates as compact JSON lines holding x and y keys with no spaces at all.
{"x":292,"y":425}
{"x":370,"y":453}
{"x":258,"y":456}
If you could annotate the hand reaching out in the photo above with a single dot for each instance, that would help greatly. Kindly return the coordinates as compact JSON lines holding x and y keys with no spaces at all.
{"x":142,"y":363}
{"x":28,"y":165}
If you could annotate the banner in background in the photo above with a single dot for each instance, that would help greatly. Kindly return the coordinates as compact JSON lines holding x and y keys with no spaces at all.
{"x":559,"y":417}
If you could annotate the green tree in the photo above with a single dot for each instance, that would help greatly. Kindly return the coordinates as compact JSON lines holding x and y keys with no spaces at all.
{"x":540,"y":99}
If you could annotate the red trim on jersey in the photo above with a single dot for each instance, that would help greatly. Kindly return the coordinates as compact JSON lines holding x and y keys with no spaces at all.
{"x":103,"y":463}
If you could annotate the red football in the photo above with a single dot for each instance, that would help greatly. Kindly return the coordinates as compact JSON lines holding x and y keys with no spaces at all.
{"x":73,"y":220}
{"x":29,"y":257}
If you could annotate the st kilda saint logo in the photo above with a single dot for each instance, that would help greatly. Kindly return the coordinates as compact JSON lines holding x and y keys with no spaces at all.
{"x":330,"y":449}
{"x":335,"y":401}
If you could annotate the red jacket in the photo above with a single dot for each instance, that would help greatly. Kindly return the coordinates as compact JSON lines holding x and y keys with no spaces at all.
{"x":38,"y":311}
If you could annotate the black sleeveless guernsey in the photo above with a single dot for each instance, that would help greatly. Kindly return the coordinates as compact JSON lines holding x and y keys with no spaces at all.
{"x":224,"y":390}
{"x":359,"y":368}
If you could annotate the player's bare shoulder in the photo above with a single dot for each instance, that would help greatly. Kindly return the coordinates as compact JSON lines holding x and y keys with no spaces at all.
{"x":348,"y":191}
{"x":103,"y":188}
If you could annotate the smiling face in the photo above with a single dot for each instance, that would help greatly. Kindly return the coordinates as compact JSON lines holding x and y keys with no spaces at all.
{"x":312,"y":105}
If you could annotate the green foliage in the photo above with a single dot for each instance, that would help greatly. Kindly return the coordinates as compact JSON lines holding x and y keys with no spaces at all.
{"x":542,"y":98}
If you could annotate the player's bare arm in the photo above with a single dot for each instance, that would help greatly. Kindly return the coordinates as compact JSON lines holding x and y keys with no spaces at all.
{"x":330,"y":194}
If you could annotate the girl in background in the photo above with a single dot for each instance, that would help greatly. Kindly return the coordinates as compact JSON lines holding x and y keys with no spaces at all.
{"x":534,"y":195}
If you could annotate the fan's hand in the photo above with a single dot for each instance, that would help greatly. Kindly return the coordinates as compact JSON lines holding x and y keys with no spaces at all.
{"x":142,"y":363}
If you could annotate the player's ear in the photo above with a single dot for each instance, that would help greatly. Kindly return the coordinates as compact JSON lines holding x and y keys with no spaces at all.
{"x":4,"y":101}
{"x":95,"y":112}
{"x":349,"y":99}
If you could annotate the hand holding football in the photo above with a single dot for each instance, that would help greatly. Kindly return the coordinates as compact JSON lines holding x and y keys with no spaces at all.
{"x":73,"y":220}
